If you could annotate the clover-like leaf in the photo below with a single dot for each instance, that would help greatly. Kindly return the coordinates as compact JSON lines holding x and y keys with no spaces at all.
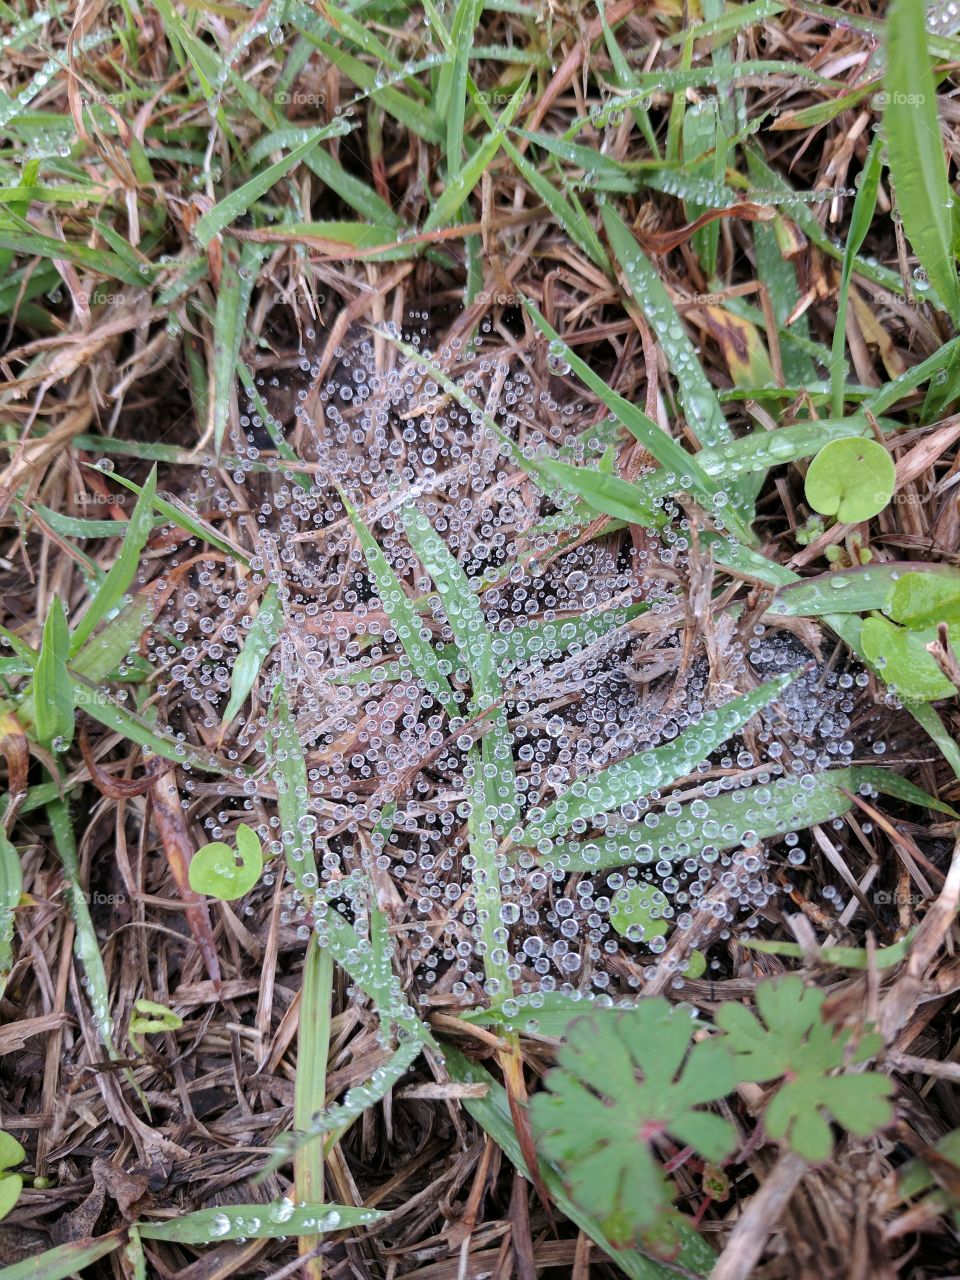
{"x":619,"y":1085}
{"x":225,"y":873}
{"x":851,"y":479}
{"x":11,"y":1184}
{"x":901,"y":657}
{"x":794,"y":1041}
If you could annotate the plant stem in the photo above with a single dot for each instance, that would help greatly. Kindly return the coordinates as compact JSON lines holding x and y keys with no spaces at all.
{"x":313,"y":1045}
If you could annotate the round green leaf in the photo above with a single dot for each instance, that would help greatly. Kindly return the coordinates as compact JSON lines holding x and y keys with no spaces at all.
{"x":11,"y":1152}
{"x":11,"y":1184}
{"x":225,"y":873}
{"x":639,"y":912}
{"x":851,"y":479}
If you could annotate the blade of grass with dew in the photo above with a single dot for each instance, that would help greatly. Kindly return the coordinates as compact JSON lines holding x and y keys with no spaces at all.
{"x":847,"y":591}
{"x":177,"y":514}
{"x":357,"y":1099}
{"x":492,"y":784}
{"x":459,"y":188}
{"x":64,"y":1260}
{"x":288,"y":770}
{"x":705,"y":155}
{"x":11,"y":887}
{"x":475,"y":643}
{"x":260,"y":639}
{"x":718,"y":823}
{"x":860,"y":220}
{"x":258,"y":1222}
{"x":77,"y":527}
{"x":696,"y":394}
{"x":408,"y":112}
{"x":372,"y":971}
{"x":85,"y":945}
{"x":915,"y":150}
{"x":878,"y":958}
{"x":450,"y":102}
{"x":779,"y":276}
{"x":492,"y":1114}
{"x":577,"y":227}
{"x":233,"y":302}
{"x":272,"y":426}
{"x":129,"y":724}
{"x":662,"y":447}
{"x":52,"y":686}
{"x":124,"y":568}
{"x":27,"y":242}
{"x":606,"y":174}
{"x":399,"y":608}
{"x":531,"y":642}
{"x":626,"y":781}
{"x":624,"y":76}
{"x":310,"y":1083}
{"x":236,"y":204}
{"x":891,"y":393}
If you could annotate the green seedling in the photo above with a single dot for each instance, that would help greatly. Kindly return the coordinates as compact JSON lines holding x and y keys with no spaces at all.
{"x":11,"y":1184}
{"x":150,"y":1017}
{"x":221,"y":872}
{"x":851,"y":479}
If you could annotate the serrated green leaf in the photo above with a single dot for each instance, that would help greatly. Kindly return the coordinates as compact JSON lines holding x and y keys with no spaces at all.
{"x":619,"y":1084}
{"x":795,"y":1042}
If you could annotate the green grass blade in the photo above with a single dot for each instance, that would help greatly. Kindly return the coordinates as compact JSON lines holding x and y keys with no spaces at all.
{"x":233,"y":302}
{"x":694,"y":390}
{"x":671,"y":456}
{"x":452,"y":89}
{"x":457,"y":190}
{"x":52,"y":686}
{"x":863,"y":210}
{"x":476,"y":646}
{"x":257,"y":1222}
{"x":637,"y":776}
{"x":64,"y":1259}
{"x":399,"y":609}
{"x":124,"y":569}
{"x":85,"y":944}
{"x":11,"y":887}
{"x":915,"y":150}
{"x":571,"y":219}
{"x":288,"y":768}
{"x":238,"y":202}
{"x":260,"y":639}
{"x":310,"y":1083}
